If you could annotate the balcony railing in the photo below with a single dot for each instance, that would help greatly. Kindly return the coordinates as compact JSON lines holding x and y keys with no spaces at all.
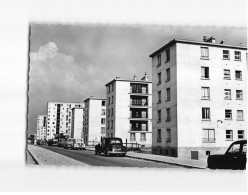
{"x":159,"y":139}
{"x":168,"y":139}
{"x":138,"y":103}
{"x":142,"y":91}
{"x":208,"y":140}
{"x":139,"y":129}
{"x":138,"y":116}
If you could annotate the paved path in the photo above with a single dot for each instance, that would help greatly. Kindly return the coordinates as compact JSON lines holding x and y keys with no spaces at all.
{"x":46,"y":157}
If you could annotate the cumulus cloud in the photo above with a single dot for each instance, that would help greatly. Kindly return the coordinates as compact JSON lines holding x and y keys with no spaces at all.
{"x":47,"y":51}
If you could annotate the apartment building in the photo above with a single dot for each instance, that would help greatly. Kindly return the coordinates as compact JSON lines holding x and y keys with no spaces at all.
{"x":199,"y":97}
{"x":41,"y":127}
{"x":94,"y":120}
{"x":77,"y":123}
{"x":59,"y":118}
{"x":129,"y":110}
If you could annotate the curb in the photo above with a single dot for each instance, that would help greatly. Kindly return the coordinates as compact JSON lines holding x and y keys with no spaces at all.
{"x":36,"y":162}
{"x":170,"y":163}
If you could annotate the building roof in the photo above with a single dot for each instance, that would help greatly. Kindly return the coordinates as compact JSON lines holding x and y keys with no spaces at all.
{"x":174,"y":41}
{"x":126,"y":80}
{"x":92,"y":98}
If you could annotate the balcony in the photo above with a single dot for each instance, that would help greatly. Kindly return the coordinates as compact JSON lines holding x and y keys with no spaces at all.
{"x":139,"y":102}
{"x":138,"y":128}
{"x":168,"y":139}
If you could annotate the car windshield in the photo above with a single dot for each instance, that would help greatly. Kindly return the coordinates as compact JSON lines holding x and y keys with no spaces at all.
{"x":79,"y":140}
{"x":244,"y":149}
{"x":234,"y":149}
{"x":113,"y":141}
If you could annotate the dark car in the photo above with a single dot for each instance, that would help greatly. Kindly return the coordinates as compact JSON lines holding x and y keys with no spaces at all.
{"x":61,"y":142}
{"x":111,"y":146}
{"x":52,"y":142}
{"x":234,"y":158}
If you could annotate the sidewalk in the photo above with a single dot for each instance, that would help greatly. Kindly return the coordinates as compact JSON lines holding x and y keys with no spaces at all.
{"x":46,"y":157}
{"x":164,"y":159}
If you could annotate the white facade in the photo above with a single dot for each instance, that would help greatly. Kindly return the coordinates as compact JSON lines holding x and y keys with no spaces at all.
{"x":129,"y":110}
{"x":207,"y":84}
{"x":77,"y":123}
{"x":94,"y":120}
{"x":60,"y":118}
{"x":41,"y":127}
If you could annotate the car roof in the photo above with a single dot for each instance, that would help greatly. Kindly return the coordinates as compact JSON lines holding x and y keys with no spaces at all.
{"x":240,"y":142}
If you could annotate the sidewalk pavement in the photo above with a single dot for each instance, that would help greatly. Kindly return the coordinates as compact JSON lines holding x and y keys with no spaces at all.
{"x":46,"y":157}
{"x":165,"y":159}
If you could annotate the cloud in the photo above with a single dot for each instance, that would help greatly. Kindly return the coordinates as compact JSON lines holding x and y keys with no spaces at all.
{"x":47,"y":51}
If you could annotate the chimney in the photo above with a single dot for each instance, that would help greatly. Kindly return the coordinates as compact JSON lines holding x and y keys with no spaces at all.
{"x":210,"y":39}
{"x":145,"y":77}
{"x":134,"y":77}
{"x":117,"y":77}
{"x":222,"y":42}
{"x":240,"y":44}
{"x":205,"y":38}
{"x":91,"y":96}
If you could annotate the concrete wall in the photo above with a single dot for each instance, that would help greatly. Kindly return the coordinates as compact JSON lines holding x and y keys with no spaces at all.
{"x":77,"y":123}
{"x":190,"y":123}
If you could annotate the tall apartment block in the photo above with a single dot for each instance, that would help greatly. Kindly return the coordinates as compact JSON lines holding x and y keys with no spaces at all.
{"x":60,"y":118}
{"x":77,"y":123}
{"x":129,"y":110}
{"x":94,"y":120}
{"x":41,"y":127}
{"x":199,"y":97}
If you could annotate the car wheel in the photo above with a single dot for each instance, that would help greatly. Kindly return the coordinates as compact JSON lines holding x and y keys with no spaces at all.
{"x":105,"y":153}
{"x":123,"y":155}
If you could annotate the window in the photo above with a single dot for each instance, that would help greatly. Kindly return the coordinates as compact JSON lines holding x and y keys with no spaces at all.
{"x":108,"y":112}
{"x":204,"y":53}
{"x":239,"y":94}
{"x":159,"y":116}
{"x":168,"y":114}
{"x":227,"y":93}
{"x":132,"y":137}
{"x":108,"y":100}
{"x":167,"y":94}
{"x":238,"y":75}
{"x":159,"y":60}
{"x":103,"y":112}
{"x":228,"y":114}
{"x":113,"y":87}
{"x":102,"y":120}
{"x":111,"y":124}
{"x":168,"y":135}
{"x":226,"y":54}
{"x":112,"y":111}
{"x":159,"y":78}
{"x":237,"y":55}
{"x":159,"y":97}
{"x":229,"y":135}
{"x":241,"y":134}
{"x":159,"y":137}
{"x":206,"y":113}
{"x":204,"y":72}
{"x":167,"y":74}
{"x":205,"y":93}
{"x":240,"y":115}
{"x":109,"y":89}
{"x":112,"y":100}
{"x":108,"y":125}
{"x":227,"y":74}
{"x":167,"y":55}
{"x":103,"y":103}
{"x":208,"y":135}
{"x":143,"y":137}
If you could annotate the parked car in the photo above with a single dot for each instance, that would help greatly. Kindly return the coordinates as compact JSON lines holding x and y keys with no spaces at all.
{"x":111,"y":146}
{"x":234,"y":158}
{"x":74,"y":144}
{"x":52,"y":142}
{"x":61,"y":142}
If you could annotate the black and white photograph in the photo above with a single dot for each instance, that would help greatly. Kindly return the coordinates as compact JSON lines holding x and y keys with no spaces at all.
{"x":156,"y":99}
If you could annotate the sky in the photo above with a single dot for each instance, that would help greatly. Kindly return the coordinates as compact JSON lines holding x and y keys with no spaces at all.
{"x":69,"y":63}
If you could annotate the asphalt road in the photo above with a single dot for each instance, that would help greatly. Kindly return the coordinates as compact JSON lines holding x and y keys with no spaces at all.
{"x":89,"y":157}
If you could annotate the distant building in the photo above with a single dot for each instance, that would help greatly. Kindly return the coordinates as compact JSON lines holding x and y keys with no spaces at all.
{"x":129,"y":110}
{"x":60,"y":118}
{"x":94,"y":119}
{"x":41,"y":127}
{"x":199,"y":97}
{"x":77,"y":123}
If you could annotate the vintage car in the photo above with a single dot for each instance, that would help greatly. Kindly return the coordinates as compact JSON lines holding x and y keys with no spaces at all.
{"x":111,"y":146}
{"x":61,"y":142}
{"x":52,"y":142}
{"x":74,"y":144}
{"x":234,"y":158}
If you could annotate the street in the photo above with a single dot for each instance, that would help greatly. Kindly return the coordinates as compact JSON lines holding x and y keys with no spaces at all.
{"x":89,"y":157}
